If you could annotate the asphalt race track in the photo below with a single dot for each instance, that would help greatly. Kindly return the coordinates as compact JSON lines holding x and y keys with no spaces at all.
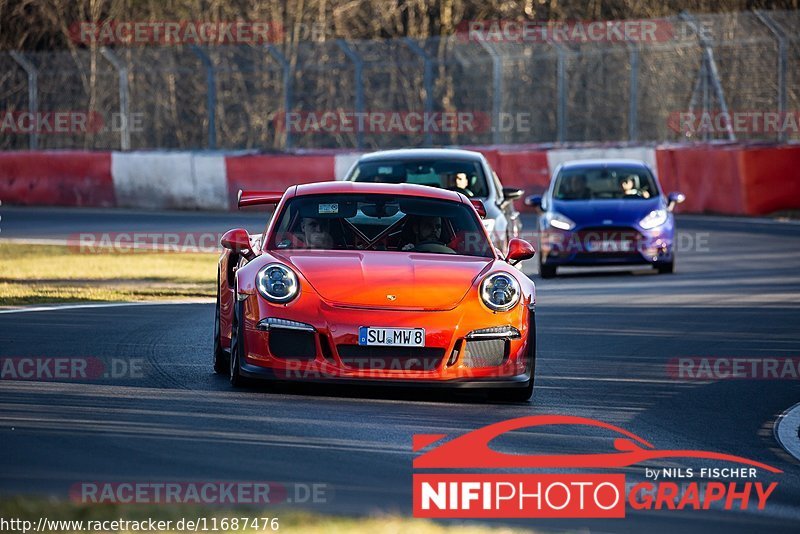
{"x":605,"y":340}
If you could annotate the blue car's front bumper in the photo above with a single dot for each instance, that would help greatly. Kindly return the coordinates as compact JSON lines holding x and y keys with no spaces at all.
{"x":592,"y":245}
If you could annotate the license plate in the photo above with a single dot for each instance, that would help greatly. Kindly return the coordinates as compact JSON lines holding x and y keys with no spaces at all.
{"x":391,"y":337}
{"x":609,"y":246}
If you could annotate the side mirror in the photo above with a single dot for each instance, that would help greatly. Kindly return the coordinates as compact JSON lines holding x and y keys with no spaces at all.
{"x":237,"y":240}
{"x":479,"y":207}
{"x":534,"y":201}
{"x":512,"y":193}
{"x":518,"y":250}
{"x":674,"y":199}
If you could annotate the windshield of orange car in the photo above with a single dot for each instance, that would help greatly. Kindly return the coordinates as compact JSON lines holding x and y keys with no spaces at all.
{"x":460,"y":175}
{"x":380,"y":222}
{"x":605,"y":183}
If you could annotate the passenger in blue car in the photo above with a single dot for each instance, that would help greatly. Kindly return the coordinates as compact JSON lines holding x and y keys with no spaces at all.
{"x":574,"y":188}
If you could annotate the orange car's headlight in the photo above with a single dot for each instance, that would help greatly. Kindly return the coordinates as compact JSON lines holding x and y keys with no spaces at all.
{"x":277,"y":283}
{"x":500,"y":291}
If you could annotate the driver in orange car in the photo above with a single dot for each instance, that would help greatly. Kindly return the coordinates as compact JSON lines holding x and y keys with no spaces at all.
{"x":426,"y":230}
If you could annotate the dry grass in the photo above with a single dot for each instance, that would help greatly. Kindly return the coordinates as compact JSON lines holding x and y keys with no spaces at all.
{"x":38,"y":274}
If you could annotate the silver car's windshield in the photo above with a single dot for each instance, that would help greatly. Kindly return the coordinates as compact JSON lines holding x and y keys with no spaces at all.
{"x":460,"y":175}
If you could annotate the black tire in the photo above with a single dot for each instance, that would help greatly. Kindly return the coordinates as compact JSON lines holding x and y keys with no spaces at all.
{"x":547,"y":271}
{"x":221,"y":358}
{"x":666,"y":267}
{"x":237,"y":346}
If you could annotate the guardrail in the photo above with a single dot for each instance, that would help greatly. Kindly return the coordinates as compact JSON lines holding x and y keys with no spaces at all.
{"x":728,"y":179}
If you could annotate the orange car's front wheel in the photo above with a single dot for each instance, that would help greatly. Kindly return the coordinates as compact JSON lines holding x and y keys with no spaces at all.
{"x":237,"y":344}
{"x":221,"y":359}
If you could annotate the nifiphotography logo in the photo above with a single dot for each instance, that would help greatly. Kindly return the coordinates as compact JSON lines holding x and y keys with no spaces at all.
{"x":605,"y":494}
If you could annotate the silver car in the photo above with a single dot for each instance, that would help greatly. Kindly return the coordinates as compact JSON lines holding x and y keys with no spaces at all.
{"x":464,"y":171}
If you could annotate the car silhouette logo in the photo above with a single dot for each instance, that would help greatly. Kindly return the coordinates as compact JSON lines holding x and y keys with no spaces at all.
{"x":472,"y":450}
{"x":391,"y":297}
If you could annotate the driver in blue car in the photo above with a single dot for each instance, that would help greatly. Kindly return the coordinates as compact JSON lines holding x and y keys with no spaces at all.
{"x":629,"y":186}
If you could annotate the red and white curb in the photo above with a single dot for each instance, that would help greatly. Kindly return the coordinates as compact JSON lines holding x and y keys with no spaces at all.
{"x":182,"y":180}
{"x":728,"y":179}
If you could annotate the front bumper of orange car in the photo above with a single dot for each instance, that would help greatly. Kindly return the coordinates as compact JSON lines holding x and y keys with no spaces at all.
{"x":468,"y":346}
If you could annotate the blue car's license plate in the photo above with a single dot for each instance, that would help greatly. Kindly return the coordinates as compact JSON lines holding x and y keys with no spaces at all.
{"x":608,"y":245}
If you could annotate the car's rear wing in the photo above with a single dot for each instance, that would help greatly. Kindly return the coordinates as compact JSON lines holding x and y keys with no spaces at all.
{"x":258,"y":198}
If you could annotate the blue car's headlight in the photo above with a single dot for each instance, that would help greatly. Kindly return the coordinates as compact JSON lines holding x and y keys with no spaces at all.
{"x":500,"y":292}
{"x":562,"y":222}
{"x":277,"y":283}
{"x":654,"y":219}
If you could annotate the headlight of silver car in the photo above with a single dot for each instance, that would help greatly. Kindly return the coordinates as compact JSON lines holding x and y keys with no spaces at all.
{"x":500,"y":291}
{"x":277,"y":283}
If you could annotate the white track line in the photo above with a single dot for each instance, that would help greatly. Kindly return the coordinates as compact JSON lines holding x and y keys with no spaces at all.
{"x":104,"y":305}
{"x":128,"y":246}
{"x":737,"y":219}
{"x":34,"y":241}
{"x":786,"y":430}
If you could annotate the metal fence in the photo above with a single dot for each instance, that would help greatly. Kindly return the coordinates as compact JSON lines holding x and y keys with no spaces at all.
{"x":238,"y":97}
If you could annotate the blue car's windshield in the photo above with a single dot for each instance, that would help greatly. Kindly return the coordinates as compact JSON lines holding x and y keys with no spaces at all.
{"x":597,"y":183}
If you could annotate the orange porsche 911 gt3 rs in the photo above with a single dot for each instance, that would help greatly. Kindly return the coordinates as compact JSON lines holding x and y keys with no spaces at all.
{"x":375,"y":283}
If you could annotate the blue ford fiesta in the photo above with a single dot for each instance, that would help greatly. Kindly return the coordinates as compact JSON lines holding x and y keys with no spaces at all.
{"x":605,"y":212}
